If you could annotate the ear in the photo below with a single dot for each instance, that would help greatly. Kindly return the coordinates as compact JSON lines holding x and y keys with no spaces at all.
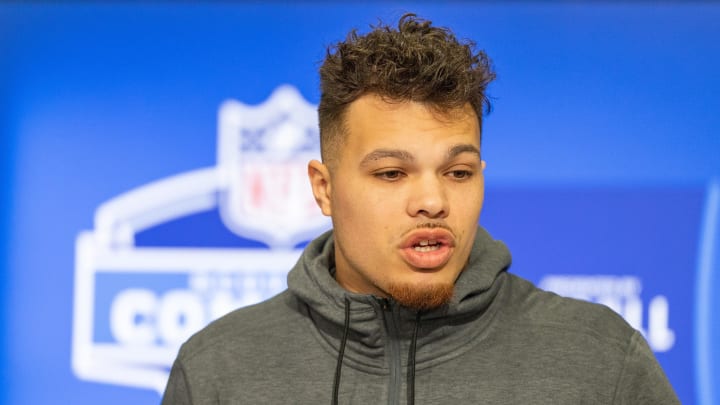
{"x":319,"y":176}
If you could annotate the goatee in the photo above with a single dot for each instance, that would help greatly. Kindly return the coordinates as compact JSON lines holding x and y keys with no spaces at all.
{"x":423,"y":297}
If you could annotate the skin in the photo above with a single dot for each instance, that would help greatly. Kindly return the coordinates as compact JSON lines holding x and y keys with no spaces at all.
{"x":404,"y":173}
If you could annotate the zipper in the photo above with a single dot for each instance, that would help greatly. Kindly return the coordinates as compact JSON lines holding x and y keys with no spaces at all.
{"x":393,"y":350}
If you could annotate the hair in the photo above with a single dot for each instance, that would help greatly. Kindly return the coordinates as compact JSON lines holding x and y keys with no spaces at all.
{"x":417,"y":62}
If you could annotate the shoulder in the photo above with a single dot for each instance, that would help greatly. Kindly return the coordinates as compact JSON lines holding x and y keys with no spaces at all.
{"x":586,"y":348}
{"x":235,"y":356}
{"x":243,"y":329}
{"x":566,"y":319}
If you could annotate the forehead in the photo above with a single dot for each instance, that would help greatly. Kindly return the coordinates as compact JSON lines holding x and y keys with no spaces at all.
{"x":372,"y":120}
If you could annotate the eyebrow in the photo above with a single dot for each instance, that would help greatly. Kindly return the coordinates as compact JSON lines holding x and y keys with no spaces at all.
{"x":462,"y":148}
{"x":406,"y":156}
{"x":378,"y":154}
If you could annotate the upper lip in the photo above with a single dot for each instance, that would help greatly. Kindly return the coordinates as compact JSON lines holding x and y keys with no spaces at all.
{"x":439,"y":235}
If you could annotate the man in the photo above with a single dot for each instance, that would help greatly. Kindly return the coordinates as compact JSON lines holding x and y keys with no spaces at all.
{"x":407,"y":299}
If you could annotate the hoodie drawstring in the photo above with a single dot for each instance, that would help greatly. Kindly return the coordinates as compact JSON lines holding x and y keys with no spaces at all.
{"x":338,"y":367}
{"x":411,"y":363}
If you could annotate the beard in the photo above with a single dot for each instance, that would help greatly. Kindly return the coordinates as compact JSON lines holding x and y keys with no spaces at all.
{"x":423,"y":297}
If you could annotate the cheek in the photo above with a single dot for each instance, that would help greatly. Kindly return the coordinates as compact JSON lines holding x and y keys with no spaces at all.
{"x":357,"y":199}
{"x":347,"y":202}
{"x":367,"y":217}
{"x":351,"y":214}
{"x":466,"y":202}
{"x":466,"y":215}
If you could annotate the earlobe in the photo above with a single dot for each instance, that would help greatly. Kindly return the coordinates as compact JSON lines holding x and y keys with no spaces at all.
{"x":319,"y":177}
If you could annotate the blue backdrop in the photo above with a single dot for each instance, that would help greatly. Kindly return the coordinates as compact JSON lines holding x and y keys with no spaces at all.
{"x":603,"y":155}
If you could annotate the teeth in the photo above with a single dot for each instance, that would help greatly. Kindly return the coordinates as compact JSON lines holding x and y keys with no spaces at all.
{"x":427,"y":246}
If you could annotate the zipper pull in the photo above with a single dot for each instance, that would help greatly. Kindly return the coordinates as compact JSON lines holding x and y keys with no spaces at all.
{"x":384,"y":303}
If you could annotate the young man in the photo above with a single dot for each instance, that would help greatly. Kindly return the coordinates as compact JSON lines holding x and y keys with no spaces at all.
{"x":407,"y":299}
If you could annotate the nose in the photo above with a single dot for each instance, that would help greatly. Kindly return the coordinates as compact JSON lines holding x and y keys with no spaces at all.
{"x":428,"y":198}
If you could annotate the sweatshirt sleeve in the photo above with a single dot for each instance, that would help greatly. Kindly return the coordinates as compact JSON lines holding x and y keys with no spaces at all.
{"x":642,"y":380}
{"x":177,"y":391}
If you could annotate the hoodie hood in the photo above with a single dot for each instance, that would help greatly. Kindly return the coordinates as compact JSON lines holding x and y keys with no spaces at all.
{"x":312,"y":278}
{"x":447,"y":327}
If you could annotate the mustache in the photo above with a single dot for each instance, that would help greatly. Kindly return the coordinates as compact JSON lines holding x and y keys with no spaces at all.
{"x":430,"y":225}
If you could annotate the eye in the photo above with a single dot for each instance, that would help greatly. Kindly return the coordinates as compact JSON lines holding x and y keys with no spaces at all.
{"x":460,"y":174}
{"x":390,"y":175}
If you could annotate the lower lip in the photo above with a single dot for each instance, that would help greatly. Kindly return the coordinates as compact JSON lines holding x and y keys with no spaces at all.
{"x":432,"y":259}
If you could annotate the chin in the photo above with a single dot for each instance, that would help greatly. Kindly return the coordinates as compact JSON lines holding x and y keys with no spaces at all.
{"x":421,"y":296}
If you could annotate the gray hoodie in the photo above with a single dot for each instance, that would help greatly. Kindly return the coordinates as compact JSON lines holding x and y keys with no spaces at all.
{"x":499,"y":341}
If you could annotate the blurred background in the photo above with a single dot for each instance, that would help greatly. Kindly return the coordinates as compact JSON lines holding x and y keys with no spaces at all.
{"x":118,"y":233}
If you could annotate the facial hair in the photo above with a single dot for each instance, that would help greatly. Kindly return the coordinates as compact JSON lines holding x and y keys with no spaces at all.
{"x":421,"y":298}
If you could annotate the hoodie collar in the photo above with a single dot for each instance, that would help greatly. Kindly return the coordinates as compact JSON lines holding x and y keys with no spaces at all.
{"x":312,"y":281}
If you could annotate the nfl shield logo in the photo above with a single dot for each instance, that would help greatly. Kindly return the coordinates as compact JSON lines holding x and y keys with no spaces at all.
{"x":263,"y":153}
{"x":136,"y":303}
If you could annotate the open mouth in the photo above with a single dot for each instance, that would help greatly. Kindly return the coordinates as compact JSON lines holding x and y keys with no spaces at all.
{"x":427,"y":246}
{"x":427,"y":249}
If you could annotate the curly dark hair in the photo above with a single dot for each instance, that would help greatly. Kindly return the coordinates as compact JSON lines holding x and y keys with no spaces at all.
{"x":416,"y":62}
